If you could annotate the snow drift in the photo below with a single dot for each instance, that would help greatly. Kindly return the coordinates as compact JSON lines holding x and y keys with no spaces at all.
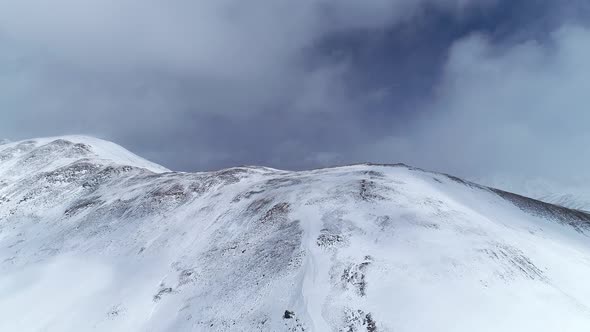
{"x":93,"y":237}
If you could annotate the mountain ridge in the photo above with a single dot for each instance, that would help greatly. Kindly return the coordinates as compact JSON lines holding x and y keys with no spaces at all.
{"x":90,"y":243}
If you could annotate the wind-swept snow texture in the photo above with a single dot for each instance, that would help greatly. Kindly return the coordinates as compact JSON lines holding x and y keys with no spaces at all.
{"x":93,"y":238}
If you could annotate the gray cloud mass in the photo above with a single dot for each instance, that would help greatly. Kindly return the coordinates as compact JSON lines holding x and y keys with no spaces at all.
{"x":479,"y":88}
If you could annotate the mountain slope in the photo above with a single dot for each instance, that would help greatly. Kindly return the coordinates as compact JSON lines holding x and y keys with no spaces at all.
{"x":108,"y":242}
{"x":49,"y":153}
{"x":574,"y":195}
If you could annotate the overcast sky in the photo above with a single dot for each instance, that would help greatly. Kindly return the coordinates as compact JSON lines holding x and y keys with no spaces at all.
{"x":477,"y":88}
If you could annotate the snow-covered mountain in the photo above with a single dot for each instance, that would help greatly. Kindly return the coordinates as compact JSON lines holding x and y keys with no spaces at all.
{"x":94,"y":238}
{"x":574,"y":195}
{"x":572,"y":201}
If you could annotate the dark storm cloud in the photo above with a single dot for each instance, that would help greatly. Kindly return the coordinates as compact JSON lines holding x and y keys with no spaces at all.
{"x":520,"y":109}
{"x":471,"y":87}
{"x":219,"y":82}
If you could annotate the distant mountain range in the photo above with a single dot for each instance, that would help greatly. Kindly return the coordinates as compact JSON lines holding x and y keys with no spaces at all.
{"x":571,"y":196}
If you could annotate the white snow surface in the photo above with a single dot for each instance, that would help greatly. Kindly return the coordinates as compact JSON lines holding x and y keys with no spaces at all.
{"x":94,"y":238}
{"x":51,"y":152}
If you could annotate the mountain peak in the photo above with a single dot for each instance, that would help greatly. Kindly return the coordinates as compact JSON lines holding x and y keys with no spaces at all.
{"x":48,"y":152}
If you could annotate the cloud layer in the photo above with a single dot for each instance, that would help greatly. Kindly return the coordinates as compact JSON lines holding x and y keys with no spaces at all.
{"x":478,"y":88}
{"x":147,"y":71}
{"x":519,"y":111}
